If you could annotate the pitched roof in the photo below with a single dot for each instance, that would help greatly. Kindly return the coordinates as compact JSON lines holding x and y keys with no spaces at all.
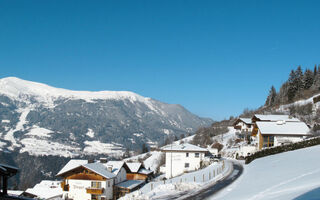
{"x":286,"y":118}
{"x":246,"y":120}
{"x":183,"y":147}
{"x":145,"y":171}
{"x":116,"y":166}
{"x":100,"y":169}
{"x":134,"y":167}
{"x":72,"y":164}
{"x":283,"y":128}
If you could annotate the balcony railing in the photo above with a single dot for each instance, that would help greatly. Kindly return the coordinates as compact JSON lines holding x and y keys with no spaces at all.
{"x":97,"y":191}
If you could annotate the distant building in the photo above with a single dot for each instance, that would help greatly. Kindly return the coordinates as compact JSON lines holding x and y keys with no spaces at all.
{"x":181,"y":158}
{"x":100,"y":180}
{"x":243,"y":125}
{"x":275,"y":133}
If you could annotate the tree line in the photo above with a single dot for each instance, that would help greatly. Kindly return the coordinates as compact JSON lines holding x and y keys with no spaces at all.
{"x":299,"y":85}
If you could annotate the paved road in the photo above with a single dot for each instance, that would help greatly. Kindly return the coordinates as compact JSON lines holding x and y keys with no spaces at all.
{"x":211,"y":190}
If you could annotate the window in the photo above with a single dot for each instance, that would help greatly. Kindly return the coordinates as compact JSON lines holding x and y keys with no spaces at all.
{"x":186,"y":165}
{"x":196,"y":155}
{"x":108,"y":183}
{"x":187,"y":154}
{"x":95,"y":184}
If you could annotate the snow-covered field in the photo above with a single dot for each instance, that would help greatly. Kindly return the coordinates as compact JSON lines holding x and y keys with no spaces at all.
{"x":112,"y":149}
{"x":282,"y":176}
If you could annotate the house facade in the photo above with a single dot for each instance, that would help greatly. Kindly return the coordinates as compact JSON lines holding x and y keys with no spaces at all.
{"x":87,"y":181}
{"x":138,"y":172}
{"x":243,"y":125}
{"x":182,"y":158}
{"x":278,"y":133}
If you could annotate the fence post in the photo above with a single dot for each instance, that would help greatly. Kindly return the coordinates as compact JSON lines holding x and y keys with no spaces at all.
{"x":194,"y":179}
{"x":181,"y":180}
{"x":209,"y":175}
{"x":151,"y":186}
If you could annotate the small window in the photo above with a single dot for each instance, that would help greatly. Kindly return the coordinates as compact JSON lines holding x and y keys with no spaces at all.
{"x":196,"y":155}
{"x":108,"y":183}
{"x":186,"y":165}
{"x":187,"y":154}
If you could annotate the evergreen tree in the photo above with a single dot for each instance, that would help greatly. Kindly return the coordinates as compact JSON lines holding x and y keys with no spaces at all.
{"x":299,"y":79}
{"x":292,"y":86}
{"x":315,"y":71}
{"x":308,"y":79}
{"x":271,"y":97}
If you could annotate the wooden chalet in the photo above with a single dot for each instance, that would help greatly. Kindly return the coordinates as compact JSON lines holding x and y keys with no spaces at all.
{"x":138,"y":172}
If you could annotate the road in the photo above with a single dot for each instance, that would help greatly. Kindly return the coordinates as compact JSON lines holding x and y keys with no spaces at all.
{"x":213,"y":189}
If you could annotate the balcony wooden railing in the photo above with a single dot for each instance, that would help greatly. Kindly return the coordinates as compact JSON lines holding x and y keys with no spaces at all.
{"x":97,"y":191}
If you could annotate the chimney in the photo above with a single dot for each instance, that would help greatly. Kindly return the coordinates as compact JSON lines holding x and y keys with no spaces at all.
{"x":109,"y":168}
{"x":103,"y":160}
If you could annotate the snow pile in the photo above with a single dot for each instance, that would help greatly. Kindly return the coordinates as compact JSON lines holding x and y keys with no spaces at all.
{"x":282,"y":176}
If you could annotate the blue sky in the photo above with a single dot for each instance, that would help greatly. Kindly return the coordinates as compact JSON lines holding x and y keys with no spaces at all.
{"x":213,"y":57}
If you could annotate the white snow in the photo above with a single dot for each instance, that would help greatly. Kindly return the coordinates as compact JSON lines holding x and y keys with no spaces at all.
{"x":22,"y":120}
{"x":73,"y":163}
{"x":90,"y":133}
{"x":20,"y":89}
{"x":138,"y":134}
{"x":283,"y":176}
{"x":97,"y":147}
{"x":151,"y":162}
{"x":43,"y":147}
{"x":5,"y":121}
{"x":38,"y":131}
{"x":287,"y":128}
{"x":166,"y":131}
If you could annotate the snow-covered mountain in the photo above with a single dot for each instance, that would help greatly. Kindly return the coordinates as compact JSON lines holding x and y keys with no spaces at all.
{"x":43,"y":120}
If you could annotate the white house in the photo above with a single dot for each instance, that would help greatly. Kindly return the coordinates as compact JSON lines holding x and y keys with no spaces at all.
{"x":96,"y":180}
{"x":243,"y":125}
{"x":182,"y":158}
{"x":271,"y":133}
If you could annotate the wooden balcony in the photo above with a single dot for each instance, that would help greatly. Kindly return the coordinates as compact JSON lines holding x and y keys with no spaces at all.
{"x":97,"y":191}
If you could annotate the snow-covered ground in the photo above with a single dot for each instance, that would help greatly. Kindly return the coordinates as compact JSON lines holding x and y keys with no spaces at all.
{"x":93,"y":147}
{"x":282,"y":176}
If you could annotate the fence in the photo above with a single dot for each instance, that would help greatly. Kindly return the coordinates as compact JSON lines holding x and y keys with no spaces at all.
{"x":213,"y":171}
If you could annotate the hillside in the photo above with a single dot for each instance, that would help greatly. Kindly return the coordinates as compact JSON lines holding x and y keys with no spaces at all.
{"x":43,"y":120}
{"x":284,"y":176}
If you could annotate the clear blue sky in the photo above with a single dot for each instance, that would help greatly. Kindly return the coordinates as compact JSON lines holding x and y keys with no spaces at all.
{"x":213,"y":57}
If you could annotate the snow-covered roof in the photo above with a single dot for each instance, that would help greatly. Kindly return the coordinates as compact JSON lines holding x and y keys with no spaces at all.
{"x":145,"y":171}
{"x":246,"y":120}
{"x":134,"y":167}
{"x":286,"y":118}
{"x":283,"y":128}
{"x":100,"y":169}
{"x":46,"y":189}
{"x":72,"y":164}
{"x":183,"y":147}
{"x":116,"y":166}
{"x":130,"y":184}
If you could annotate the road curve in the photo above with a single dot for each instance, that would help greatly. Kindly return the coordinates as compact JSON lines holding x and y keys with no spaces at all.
{"x":211,"y":190}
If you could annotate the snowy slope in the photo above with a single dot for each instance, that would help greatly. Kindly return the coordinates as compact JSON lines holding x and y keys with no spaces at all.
{"x":282,"y":176}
